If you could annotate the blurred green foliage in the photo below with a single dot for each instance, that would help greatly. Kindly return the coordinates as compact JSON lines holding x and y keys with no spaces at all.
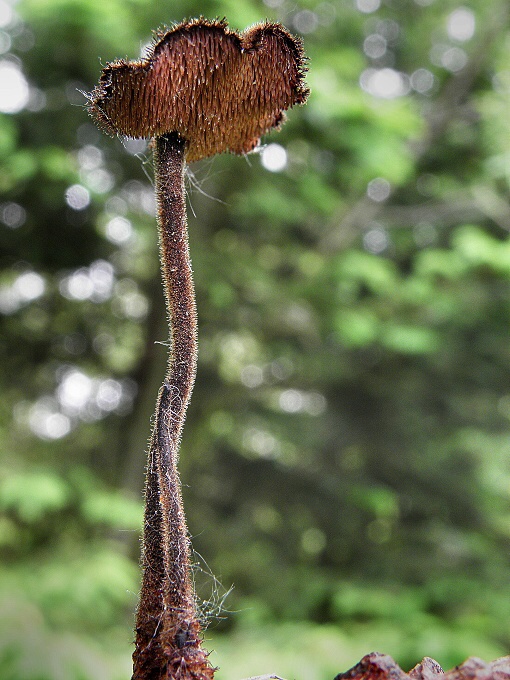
{"x":346,"y":456}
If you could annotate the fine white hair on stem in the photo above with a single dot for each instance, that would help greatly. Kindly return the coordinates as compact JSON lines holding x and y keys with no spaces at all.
{"x":211,"y":608}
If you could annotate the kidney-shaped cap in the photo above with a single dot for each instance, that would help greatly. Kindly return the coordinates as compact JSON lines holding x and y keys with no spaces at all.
{"x":218,"y":89}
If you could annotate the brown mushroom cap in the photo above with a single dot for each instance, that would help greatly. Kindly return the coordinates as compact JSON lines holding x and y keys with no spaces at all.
{"x":218,"y":89}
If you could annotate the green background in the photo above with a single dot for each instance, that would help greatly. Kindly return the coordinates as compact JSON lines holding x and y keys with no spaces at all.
{"x":346,"y":458}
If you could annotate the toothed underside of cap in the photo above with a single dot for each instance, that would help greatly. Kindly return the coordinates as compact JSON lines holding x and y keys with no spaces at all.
{"x":218,"y":89}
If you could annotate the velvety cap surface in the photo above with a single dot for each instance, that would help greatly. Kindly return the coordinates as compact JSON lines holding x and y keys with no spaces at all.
{"x":218,"y":89}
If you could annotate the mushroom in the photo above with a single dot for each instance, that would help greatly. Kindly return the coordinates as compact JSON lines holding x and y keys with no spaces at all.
{"x":202,"y":90}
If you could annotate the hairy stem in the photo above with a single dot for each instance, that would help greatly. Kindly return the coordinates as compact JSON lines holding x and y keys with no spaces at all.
{"x":167,"y":630}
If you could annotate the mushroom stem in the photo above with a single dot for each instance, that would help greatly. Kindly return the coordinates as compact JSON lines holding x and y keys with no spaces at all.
{"x":168,"y":642}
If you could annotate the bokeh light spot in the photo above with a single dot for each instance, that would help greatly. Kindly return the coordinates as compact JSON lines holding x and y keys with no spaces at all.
{"x":12,"y":215}
{"x":29,"y":286}
{"x":74,"y":391}
{"x":376,"y":240}
{"x":90,"y":157}
{"x":15,"y":92}
{"x":375,"y":46}
{"x":94,"y":283}
{"x":252,"y":376}
{"x":454,"y":59}
{"x":461,"y":24}
{"x":6,"y":13}
{"x":274,"y":158}
{"x":368,"y":6}
{"x":99,"y":180}
{"x":261,"y":442}
{"x":422,"y":80}
{"x":46,"y":422}
{"x":119,"y":230}
{"x":109,"y":395}
{"x":306,"y":21}
{"x":291,"y":401}
{"x":77,"y":197}
{"x":134,"y":146}
{"x":379,"y":189}
{"x":385,"y":83}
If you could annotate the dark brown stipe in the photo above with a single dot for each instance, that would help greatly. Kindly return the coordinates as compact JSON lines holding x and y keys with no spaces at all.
{"x":168,"y":643}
